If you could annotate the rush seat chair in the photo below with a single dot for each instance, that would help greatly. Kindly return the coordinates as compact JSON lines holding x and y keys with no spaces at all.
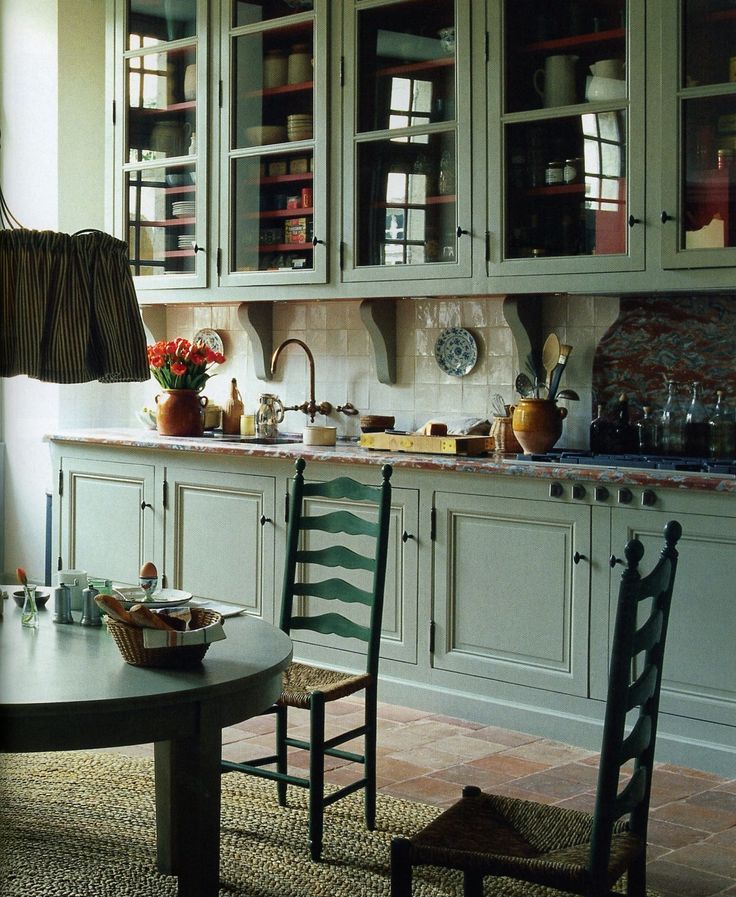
{"x":489,"y":835}
{"x":352,"y":536}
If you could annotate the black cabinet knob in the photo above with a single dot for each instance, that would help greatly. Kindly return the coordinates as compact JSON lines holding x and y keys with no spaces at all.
{"x":555,"y":490}
{"x":577,"y":557}
{"x":601,"y":493}
{"x":664,"y":218}
{"x":145,"y":504}
{"x":578,"y":491}
{"x":264,"y":520}
{"x":625,"y":496}
{"x":648,"y":498}
{"x":460,"y":231}
{"x":406,"y":536}
{"x":633,"y":221}
{"x":316,"y":242}
{"x":613,"y":560}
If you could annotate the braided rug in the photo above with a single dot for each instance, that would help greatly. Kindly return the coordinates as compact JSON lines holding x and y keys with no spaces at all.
{"x":82,"y":825}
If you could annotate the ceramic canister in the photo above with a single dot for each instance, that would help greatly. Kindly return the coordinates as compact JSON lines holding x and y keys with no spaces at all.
{"x":537,"y":424}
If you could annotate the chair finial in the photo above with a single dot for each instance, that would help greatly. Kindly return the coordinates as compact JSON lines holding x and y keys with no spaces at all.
{"x":300,"y":465}
{"x":672,"y":533}
{"x":386,"y":471}
{"x":634,"y":552}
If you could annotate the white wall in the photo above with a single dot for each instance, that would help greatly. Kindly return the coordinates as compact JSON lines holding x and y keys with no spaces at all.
{"x":52,"y":174}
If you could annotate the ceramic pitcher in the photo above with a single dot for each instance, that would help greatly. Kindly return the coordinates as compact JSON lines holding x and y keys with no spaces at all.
{"x":555,"y":83}
{"x":609,"y":68}
{"x":171,"y":138}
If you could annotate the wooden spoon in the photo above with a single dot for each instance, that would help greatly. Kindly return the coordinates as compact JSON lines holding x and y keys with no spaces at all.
{"x":550,"y":355}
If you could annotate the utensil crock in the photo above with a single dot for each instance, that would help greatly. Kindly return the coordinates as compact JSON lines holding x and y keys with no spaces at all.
{"x":537,"y":424}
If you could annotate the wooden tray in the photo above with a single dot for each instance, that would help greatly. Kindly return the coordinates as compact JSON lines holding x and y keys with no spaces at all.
{"x":433,"y":445}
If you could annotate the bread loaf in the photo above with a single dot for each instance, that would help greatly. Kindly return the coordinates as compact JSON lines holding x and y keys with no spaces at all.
{"x":114,"y":608}
{"x":146,"y":618}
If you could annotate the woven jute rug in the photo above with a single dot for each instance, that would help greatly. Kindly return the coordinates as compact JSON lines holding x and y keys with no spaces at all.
{"x":82,"y":825}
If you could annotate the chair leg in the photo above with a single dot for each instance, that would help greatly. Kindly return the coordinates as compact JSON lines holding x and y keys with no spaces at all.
{"x":316,"y":772}
{"x":401,"y":868}
{"x":281,"y":761}
{"x":472,"y":884}
{"x":636,"y":877}
{"x":369,"y":752}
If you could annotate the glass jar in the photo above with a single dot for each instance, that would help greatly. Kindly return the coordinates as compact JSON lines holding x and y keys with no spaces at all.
{"x":672,"y":422}
{"x":696,"y":425}
{"x":554,"y":173}
{"x":722,"y":430}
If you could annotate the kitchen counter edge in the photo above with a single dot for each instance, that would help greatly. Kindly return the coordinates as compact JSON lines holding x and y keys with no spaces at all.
{"x":347,"y":452}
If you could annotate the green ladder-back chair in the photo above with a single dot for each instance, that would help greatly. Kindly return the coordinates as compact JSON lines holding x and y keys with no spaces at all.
{"x":485,"y":834}
{"x":307,"y":575}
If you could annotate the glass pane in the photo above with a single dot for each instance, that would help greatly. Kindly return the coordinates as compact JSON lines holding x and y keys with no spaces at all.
{"x":406,"y":66}
{"x":273,"y":87}
{"x":247,"y":12}
{"x":406,"y":201}
{"x":709,"y":136}
{"x":272,"y":212}
{"x":161,"y":215}
{"x":566,"y":188}
{"x":151,"y":22}
{"x":561,"y":54}
{"x":162,"y":104}
{"x":709,"y":39}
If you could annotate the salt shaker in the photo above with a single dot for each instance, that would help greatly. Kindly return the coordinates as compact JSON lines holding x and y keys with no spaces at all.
{"x":63,"y":604}
{"x":91,"y":615}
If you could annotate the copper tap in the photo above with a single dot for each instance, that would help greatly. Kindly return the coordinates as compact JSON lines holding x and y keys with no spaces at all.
{"x":309,"y":407}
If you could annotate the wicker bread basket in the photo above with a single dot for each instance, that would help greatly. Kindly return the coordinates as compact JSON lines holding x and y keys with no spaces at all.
{"x":129,"y":640}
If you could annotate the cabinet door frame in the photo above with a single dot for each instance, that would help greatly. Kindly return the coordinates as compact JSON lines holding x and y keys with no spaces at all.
{"x":634,"y":259}
{"x":460,"y":273}
{"x":321,"y":154}
{"x":142,"y":478}
{"x":119,"y":143}
{"x":570,"y":525}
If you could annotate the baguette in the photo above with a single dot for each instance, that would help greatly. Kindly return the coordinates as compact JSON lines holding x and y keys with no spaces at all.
{"x":114,"y":609}
{"x":146,"y":618}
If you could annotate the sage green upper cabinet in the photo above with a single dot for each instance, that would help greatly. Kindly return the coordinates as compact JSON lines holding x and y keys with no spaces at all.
{"x":698,"y":215}
{"x":274,"y":156}
{"x":566,"y":131}
{"x":160,"y":140}
{"x":406,"y":141}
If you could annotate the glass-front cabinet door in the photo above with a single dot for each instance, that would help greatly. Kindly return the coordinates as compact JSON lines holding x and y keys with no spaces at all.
{"x":406,"y":148}
{"x":698,"y":217}
{"x":161,"y":175}
{"x":274,"y":160}
{"x":567,"y":133}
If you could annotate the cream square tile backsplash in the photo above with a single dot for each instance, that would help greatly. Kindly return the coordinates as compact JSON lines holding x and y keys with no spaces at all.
{"x":345,"y":367}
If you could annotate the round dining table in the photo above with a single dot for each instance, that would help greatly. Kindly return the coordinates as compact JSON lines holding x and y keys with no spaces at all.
{"x":66,"y":687}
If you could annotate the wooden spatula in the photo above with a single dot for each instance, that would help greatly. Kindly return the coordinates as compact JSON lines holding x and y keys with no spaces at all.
{"x":550,"y":355}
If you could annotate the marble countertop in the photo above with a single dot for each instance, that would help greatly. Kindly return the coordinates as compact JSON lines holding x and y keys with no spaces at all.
{"x":350,"y":452}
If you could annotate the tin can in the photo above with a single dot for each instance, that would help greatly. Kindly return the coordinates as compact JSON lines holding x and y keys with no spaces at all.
{"x":306,"y":197}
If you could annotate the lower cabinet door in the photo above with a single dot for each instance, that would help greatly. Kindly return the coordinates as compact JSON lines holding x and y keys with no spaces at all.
{"x":109,"y":522}
{"x":509,"y":601}
{"x":220,"y":533}
{"x":699,"y":671}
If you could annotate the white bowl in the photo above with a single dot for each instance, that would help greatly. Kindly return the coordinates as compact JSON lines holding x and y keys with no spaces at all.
{"x":317,"y":435}
{"x":261,"y":134}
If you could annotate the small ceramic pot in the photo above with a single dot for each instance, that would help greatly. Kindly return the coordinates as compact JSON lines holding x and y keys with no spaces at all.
{"x":180,"y":412}
{"x":537,"y":424}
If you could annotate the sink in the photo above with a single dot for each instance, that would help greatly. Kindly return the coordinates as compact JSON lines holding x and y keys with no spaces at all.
{"x":262,"y":440}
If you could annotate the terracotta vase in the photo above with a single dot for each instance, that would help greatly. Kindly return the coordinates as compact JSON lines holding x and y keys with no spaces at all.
{"x":180,"y":412}
{"x":537,"y":424}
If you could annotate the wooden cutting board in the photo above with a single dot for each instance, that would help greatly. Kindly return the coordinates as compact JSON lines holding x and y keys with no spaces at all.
{"x":433,"y":445}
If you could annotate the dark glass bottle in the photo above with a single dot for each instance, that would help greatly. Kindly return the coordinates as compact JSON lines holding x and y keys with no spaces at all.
{"x":647,"y":430}
{"x":600,"y":433}
{"x":697,"y":429}
{"x":672,"y":423}
{"x":722,"y":427}
{"x":623,"y":434}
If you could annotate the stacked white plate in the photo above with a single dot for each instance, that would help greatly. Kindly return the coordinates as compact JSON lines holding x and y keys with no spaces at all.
{"x":184,"y":209}
{"x":185,"y":241}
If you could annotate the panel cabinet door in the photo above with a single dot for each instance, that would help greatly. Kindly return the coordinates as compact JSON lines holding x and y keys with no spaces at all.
{"x":509,"y":601}
{"x":220,"y":537}
{"x":699,"y":674}
{"x":108,"y":524}
{"x":399,"y":629}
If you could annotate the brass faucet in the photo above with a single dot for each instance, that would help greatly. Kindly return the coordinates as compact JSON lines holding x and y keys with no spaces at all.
{"x":309,"y":407}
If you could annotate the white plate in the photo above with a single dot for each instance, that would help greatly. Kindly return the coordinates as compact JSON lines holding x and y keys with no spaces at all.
{"x":211,"y":339}
{"x":162,"y":598}
{"x":456,"y":351}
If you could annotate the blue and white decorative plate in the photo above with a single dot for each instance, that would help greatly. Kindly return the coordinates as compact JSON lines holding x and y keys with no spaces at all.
{"x":210,"y":338}
{"x":456,"y":351}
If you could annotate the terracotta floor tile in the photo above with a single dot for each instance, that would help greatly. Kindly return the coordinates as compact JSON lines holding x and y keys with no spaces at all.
{"x":401,"y":714}
{"x":428,"y":756}
{"x":727,"y":837}
{"x":502,"y":736}
{"x":509,"y":765}
{"x":462,"y":746}
{"x":686,"y":813}
{"x":424,"y":789}
{"x":462,"y":723}
{"x":465,"y":774}
{"x":674,"y":880}
{"x":709,"y":857}
{"x":550,"y":784}
{"x":552,"y":752}
{"x":673,"y":836}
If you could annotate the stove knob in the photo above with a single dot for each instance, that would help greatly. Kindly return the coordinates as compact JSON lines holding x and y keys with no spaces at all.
{"x":601,"y":493}
{"x":648,"y":498}
{"x":578,"y":491}
{"x":624,"y":496}
{"x":555,"y":490}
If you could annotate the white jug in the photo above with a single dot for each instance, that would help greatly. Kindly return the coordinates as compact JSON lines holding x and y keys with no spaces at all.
{"x":609,"y":68}
{"x":558,"y":86}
